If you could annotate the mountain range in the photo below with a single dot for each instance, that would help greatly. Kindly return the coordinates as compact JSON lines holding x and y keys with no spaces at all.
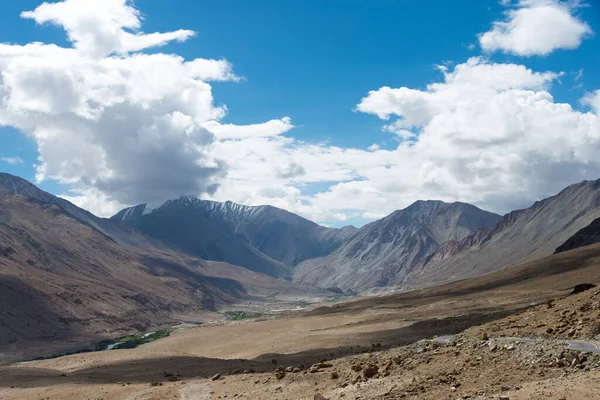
{"x":66,"y":273}
{"x":379,"y":253}
{"x":520,"y":236}
{"x":264,"y":238}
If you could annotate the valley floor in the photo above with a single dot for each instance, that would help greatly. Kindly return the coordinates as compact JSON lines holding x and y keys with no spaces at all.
{"x":376,"y":348}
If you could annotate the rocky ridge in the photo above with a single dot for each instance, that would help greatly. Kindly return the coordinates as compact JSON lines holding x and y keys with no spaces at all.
{"x":520,"y":236}
{"x":381,"y":253}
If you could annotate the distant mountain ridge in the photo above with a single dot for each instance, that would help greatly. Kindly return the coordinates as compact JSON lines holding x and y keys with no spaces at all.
{"x":425,"y":244}
{"x":382,"y":252}
{"x":262,"y":238}
{"x":520,"y":236}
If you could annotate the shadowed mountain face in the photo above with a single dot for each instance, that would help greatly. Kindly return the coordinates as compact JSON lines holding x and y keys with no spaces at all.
{"x":264,"y":239}
{"x":520,"y":236}
{"x":584,"y":237}
{"x":67,"y":275}
{"x":381,"y":253}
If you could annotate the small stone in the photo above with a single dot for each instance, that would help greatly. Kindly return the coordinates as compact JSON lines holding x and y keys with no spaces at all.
{"x":574,"y":362}
{"x":484,"y":336}
{"x":280,"y":375}
{"x":289,"y":369}
{"x":323,"y":365}
{"x":216,"y":377}
{"x":335,"y":375}
{"x":370,"y":371}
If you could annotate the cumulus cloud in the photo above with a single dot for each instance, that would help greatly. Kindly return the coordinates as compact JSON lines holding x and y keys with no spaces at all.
{"x":12,"y":160}
{"x":108,"y":117}
{"x":96,"y":201}
{"x":230,"y":131}
{"x":124,"y":127}
{"x":490,"y":134}
{"x":486,"y":133}
{"x":102,"y":27}
{"x":593,"y":100}
{"x":536,"y":27}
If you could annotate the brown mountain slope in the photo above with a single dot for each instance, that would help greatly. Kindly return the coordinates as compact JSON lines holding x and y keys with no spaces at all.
{"x":380,"y":253}
{"x":520,"y":236}
{"x":63,"y":279}
{"x":510,"y":288}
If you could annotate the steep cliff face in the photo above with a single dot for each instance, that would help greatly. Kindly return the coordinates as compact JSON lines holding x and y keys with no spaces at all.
{"x":381,"y":253}
{"x":519,"y":236}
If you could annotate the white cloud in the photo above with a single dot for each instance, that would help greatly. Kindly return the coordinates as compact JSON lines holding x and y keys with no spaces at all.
{"x":125,"y":124}
{"x":489,"y":134}
{"x":593,"y":100}
{"x":102,"y":27}
{"x":12,"y":160}
{"x":536,"y":27}
{"x":93,"y":199}
{"x":230,"y":131}
{"x":124,"y":128}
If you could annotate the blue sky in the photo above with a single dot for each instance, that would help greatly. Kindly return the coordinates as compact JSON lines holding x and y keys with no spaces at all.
{"x":314,"y":61}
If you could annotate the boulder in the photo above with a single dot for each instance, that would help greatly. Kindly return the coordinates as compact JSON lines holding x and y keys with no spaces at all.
{"x":582,"y":287}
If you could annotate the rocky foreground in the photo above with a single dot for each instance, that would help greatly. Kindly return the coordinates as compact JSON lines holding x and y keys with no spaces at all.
{"x":544,"y":351}
{"x":524,"y":356}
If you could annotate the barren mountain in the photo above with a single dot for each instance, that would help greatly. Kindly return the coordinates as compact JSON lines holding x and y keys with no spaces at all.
{"x":64,"y":279}
{"x":519,"y":236}
{"x":264,"y":238}
{"x":380,"y":253}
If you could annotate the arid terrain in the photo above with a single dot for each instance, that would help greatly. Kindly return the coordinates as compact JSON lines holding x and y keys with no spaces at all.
{"x":373,"y":348}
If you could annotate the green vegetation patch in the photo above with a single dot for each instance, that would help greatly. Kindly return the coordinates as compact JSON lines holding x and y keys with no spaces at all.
{"x":132,"y":341}
{"x":239,"y":315}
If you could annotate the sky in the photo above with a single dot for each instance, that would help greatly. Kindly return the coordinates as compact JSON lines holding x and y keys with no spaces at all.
{"x":341,"y":111}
